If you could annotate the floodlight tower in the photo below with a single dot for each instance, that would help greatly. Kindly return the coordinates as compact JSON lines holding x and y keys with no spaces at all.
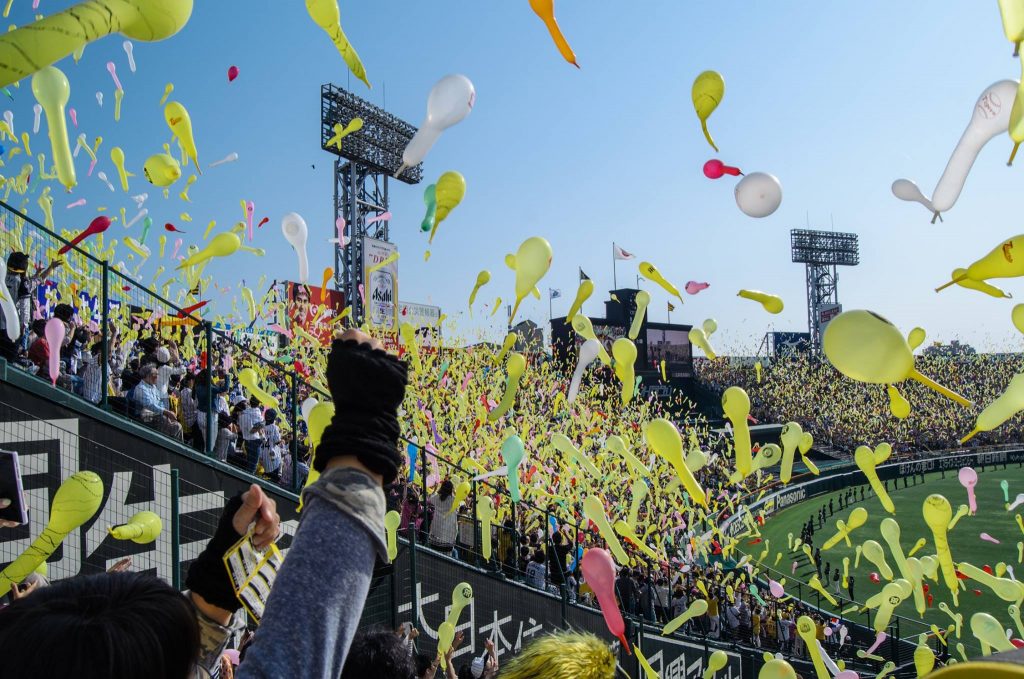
{"x":366,"y":160}
{"x":822,"y":252}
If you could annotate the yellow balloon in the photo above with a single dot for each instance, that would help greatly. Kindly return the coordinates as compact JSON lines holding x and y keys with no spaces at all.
{"x":699,"y":338}
{"x":624,"y":352}
{"x":805,"y":627}
{"x":1017,"y":316}
{"x":858,"y":517}
{"x":960,"y":276}
{"x":736,"y":405}
{"x":482,"y":279}
{"x":391,"y":522}
{"x":445,"y":631}
{"x":643,"y":298}
{"x":623,"y":529}
{"x":51,"y":89}
{"x":1012,"y":12}
{"x":989,"y":632}
{"x":790,"y":437}
{"x":516,"y":367}
{"x":221,"y":245}
{"x":1005,"y":260}
{"x":696,"y":609}
{"x":117,"y":157}
{"x":506,"y":346}
{"x":143,"y":528}
{"x":161,"y":170}
{"x":180,"y":122}
{"x":717,"y":661}
{"x":771,"y":303}
{"x":450,"y":190}
{"x":583,"y":293}
{"x":663,"y":438}
{"x":937,"y":513}
{"x":1009,"y":403}
{"x":615,"y":444}
{"x":651,"y":273}
{"x":916,"y":338}
{"x":532,"y":261}
{"x":485,"y":513}
{"x":462,"y":595}
{"x":74,"y":503}
{"x":593,"y":509}
{"x":648,"y":670}
{"x":707,"y":92}
{"x":585,"y":329}
{"x":868,"y":348}
{"x":898,"y":405}
{"x":328,"y":17}
{"x":462,"y":491}
{"x":248,"y":379}
{"x":864,"y":457}
{"x":25,"y":50}
{"x":776,"y":668}
{"x":891,"y":596}
{"x":545,"y":9}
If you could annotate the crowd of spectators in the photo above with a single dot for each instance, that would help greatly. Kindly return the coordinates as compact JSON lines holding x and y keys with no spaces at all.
{"x":843,"y":413}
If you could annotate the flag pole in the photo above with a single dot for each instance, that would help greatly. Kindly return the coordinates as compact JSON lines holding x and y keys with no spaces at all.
{"x":615,"y":277}
{"x":549,"y":306}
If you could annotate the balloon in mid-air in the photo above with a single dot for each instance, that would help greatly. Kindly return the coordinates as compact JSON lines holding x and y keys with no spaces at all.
{"x":663,"y":438}
{"x":55,"y":333}
{"x":715,"y":169}
{"x":450,"y":101}
{"x":326,"y":15}
{"x":1017,"y":316}
{"x":961,"y":278}
{"x":33,"y":46}
{"x":651,"y":273}
{"x":599,"y":571}
{"x":51,"y":89}
{"x":707,"y":92}
{"x":588,"y":353}
{"x":143,"y":528}
{"x":1012,"y":12}
{"x":1009,"y":403}
{"x":448,"y":192}
{"x":773,"y":304}
{"x":624,"y":352}
{"x":1016,"y":129}
{"x":904,"y":189}
{"x":583,"y":293}
{"x":758,"y":194}
{"x":991,"y":117}
{"x":868,"y":348}
{"x":545,"y":9}
{"x":482,"y":279}
{"x":693,"y":287}
{"x":180,"y":122}
{"x":232,"y":73}
{"x":643,"y":298}
{"x":295,"y":231}
{"x":1005,"y":260}
{"x":250,"y":382}
{"x":161,"y":169}
{"x":531,"y":261}
{"x":221,"y":245}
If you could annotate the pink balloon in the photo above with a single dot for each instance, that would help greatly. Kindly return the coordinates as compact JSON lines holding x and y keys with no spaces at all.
{"x":693,"y":287}
{"x":714,"y":169}
{"x":847,"y":674}
{"x":777,"y":590}
{"x":599,"y":572}
{"x":969,"y":479}
{"x":55,"y":332}
{"x":989,"y":538}
{"x":827,"y":631}
{"x":232,"y":73}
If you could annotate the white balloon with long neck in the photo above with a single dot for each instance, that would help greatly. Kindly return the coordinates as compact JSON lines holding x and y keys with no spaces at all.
{"x":450,"y":101}
{"x":588,"y":353}
{"x":295,"y":231}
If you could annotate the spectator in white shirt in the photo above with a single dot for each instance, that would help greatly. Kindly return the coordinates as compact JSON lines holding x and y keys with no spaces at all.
{"x":250,"y":426}
{"x":270,"y":457}
{"x":537,"y":571}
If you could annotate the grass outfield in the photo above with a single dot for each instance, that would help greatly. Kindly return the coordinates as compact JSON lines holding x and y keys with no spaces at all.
{"x":964,"y":541}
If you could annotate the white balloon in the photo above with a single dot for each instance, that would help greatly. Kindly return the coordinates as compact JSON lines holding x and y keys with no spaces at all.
{"x":758,"y":194}
{"x":293,"y":226}
{"x":450,"y":101}
{"x":307,"y":407}
{"x":11,"y":320}
{"x":588,"y":352}
{"x":991,"y":118}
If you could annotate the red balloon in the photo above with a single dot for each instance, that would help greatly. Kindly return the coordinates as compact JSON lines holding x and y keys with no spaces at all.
{"x":925,"y":587}
{"x":1019,"y":643}
{"x":172,"y":228}
{"x":977,"y":592}
{"x":232,"y":73}
{"x":987,"y":569}
{"x":714,"y":169}
{"x":930,"y":599}
{"x":874,"y":578}
{"x":98,"y":225}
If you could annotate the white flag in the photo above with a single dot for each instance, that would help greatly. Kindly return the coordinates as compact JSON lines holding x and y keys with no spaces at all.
{"x":622,"y":254}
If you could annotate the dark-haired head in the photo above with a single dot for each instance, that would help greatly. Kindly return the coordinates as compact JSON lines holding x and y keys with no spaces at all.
{"x":446,"y":490}
{"x":100,"y":626}
{"x":378,"y":652}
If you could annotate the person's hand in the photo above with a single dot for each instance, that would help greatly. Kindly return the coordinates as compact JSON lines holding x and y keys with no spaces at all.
{"x":359,"y":336}
{"x":227,"y":670}
{"x":257,"y":507}
{"x":121,"y":566}
{"x":22,"y":591}
{"x":4,"y":523}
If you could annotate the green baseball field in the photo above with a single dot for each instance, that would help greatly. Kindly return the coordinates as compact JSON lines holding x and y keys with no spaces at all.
{"x":965,"y":542}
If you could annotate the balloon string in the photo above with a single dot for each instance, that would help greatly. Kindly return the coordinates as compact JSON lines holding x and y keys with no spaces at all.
{"x":952,"y":282}
{"x":1013,"y":154}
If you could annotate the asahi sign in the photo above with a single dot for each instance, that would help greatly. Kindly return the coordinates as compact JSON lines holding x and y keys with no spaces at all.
{"x":380,"y":284}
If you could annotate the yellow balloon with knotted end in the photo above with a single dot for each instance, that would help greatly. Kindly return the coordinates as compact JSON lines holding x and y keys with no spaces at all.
{"x":531,"y":262}
{"x":327,"y":15}
{"x":448,"y":192}
{"x":161,"y":169}
{"x":937,"y":514}
{"x":250,"y":382}
{"x":583,"y":293}
{"x":48,"y":40}
{"x":51,"y":89}
{"x":663,"y":438}
{"x":1005,"y":260}
{"x":1009,"y":403}
{"x":391,"y":522}
{"x":143,"y":528}
{"x":866,"y":347}
{"x":516,"y":367}
{"x":707,"y":92}
{"x":178,"y":119}
{"x":699,"y":338}
{"x":74,"y":503}
{"x":773,"y":304}
{"x":651,"y":273}
{"x":959,"y":275}
{"x":624,"y":352}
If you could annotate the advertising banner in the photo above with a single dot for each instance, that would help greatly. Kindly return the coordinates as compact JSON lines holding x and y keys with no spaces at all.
{"x":425,"y":319}
{"x":312,"y":310}
{"x":380,"y":285}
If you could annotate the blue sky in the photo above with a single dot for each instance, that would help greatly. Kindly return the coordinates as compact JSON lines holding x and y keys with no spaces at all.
{"x":835,"y":99}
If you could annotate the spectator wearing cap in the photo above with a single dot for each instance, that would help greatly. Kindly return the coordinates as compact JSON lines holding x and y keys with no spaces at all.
{"x":146,"y":396}
{"x":168,"y":364}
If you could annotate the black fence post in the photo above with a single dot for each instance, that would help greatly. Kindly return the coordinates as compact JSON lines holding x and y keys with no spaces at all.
{"x":293,"y":421}
{"x":210,"y":440}
{"x":175,"y":529}
{"x":477,"y":528}
{"x":105,"y":347}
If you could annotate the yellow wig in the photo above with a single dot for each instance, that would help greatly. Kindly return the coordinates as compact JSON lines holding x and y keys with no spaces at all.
{"x":562,"y":655}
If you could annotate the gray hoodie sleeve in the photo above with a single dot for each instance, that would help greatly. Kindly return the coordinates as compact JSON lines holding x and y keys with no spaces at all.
{"x":318,"y":597}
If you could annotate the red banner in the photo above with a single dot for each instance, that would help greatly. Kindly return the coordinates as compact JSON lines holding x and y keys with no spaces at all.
{"x":313,"y":309}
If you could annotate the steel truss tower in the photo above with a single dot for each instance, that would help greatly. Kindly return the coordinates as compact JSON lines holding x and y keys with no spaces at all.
{"x":366,"y":160}
{"x":822,"y":252}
